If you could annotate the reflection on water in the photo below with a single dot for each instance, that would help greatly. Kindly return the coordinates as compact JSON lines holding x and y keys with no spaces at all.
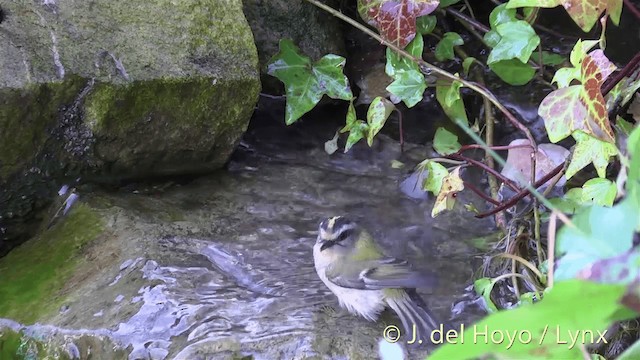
{"x":223,"y":266}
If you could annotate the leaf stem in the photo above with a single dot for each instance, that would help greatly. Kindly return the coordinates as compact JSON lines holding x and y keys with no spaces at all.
{"x":523,"y":262}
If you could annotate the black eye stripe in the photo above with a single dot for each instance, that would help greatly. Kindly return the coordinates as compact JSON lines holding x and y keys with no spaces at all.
{"x":345,"y":234}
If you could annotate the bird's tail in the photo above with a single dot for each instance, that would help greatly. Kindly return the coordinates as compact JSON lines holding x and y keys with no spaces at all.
{"x":412,"y":310}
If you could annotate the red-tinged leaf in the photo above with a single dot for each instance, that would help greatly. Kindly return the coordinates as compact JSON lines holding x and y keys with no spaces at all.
{"x":584,"y":13}
{"x":605,"y":66}
{"x":395,"y":19}
{"x":580,"y":107}
{"x":591,"y":96}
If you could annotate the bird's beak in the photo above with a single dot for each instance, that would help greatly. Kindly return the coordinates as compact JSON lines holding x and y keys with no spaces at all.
{"x":327,"y":244}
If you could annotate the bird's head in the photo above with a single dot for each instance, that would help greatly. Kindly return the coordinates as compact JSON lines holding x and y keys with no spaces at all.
{"x":337,"y":231}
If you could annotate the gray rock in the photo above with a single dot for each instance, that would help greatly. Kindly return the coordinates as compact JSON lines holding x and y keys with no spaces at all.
{"x":115,"y":90}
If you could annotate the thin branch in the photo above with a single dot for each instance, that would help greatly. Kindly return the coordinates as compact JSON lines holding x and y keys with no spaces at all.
{"x":479,"y":192}
{"x":615,"y":79}
{"x":632,"y":8}
{"x":428,"y":68}
{"x":551,"y":247}
{"x":501,"y":220}
{"x":497,"y":148}
{"x":486,"y":168}
{"x":476,"y":24}
{"x":522,"y":193}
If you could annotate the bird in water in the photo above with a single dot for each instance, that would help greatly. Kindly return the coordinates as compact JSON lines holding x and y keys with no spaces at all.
{"x":366,"y":281}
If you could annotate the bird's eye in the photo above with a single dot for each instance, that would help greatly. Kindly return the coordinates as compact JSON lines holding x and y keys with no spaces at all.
{"x":344,"y":235}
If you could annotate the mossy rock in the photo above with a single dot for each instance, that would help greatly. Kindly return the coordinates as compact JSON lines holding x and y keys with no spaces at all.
{"x":113,"y":90}
{"x":34,"y":276}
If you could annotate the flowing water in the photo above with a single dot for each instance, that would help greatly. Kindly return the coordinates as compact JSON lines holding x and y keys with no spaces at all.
{"x":221,"y":266}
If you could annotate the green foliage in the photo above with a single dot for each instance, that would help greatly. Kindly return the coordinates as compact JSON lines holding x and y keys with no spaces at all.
{"x":512,"y":41}
{"x":599,"y":233}
{"x":306,"y":83}
{"x":409,"y":83}
{"x":538,"y":331}
{"x":549,"y":58}
{"x":484,"y":286}
{"x":435,"y":174}
{"x":426,"y":24}
{"x":378,"y":113}
{"x":585,"y":13}
{"x":448,"y":96}
{"x":445,"y":143}
{"x":444,"y":49}
{"x":590,"y":150}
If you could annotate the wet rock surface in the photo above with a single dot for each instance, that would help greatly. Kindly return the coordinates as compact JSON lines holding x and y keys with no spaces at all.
{"x":222,"y":266}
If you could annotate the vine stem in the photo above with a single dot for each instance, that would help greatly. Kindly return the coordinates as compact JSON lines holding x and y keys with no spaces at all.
{"x":428,"y":68}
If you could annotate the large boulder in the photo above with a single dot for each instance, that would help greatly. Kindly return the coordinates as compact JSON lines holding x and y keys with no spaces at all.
{"x":114,"y":90}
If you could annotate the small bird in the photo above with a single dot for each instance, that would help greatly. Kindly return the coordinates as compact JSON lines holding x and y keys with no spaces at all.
{"x":355,"y":269}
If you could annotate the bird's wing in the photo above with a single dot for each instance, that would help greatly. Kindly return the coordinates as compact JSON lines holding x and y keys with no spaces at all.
{"x":377,"y":274}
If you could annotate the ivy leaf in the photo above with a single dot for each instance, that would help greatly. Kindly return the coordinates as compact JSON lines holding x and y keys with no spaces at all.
{"x":599,"y":233}
{"x":358,"y":131}
{"x":378,"y":113}
{"x":584,"y":13}
{"x":517,"y":41}
{"x":395,"y":19}
{"x":351,"y":118}
{"x":445,"y":3}
{"x":426,"y":24}
{"x":466,"y":64}
{"x":444,"y":49}
{"x":563,"y":77}
{"x":305,"y":83}
{"x":633,"y":176}
{"x":397,"y":63}
{"x":573,"y":306}
{"x":599,"y":191}
{"x":448,"y":95}
{"x":590,"y":150}
{"x":451,"y":185}
{"x":513,"y":71}
{"x":501,"y":15}
{"x":483,"y":287}
{"x":445,"y":143}
{"x":578,"y":107}
{"x":409,"y":86}
{"x":570,"y":203}
{"x":549,"y":58}
{"x":435,"y":174}
{"x":492,"y":38}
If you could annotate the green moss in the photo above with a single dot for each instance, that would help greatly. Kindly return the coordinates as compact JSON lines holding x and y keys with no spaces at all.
{"x":23,"y":129}
{"x":18,"y":346}
{"x":33,"y":275}
{"x":113,"y":109}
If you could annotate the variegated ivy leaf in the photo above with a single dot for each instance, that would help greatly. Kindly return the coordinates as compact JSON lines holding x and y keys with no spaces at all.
{"x":452,"y":184}
{"x":590,"y":150}
{"x":435,"y":174}
{"x":580,"y":107}
{"x":395,"y":19}
{"x":584,"y":13}
{"x":378,"y":113}
{"x":306,"y":83}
